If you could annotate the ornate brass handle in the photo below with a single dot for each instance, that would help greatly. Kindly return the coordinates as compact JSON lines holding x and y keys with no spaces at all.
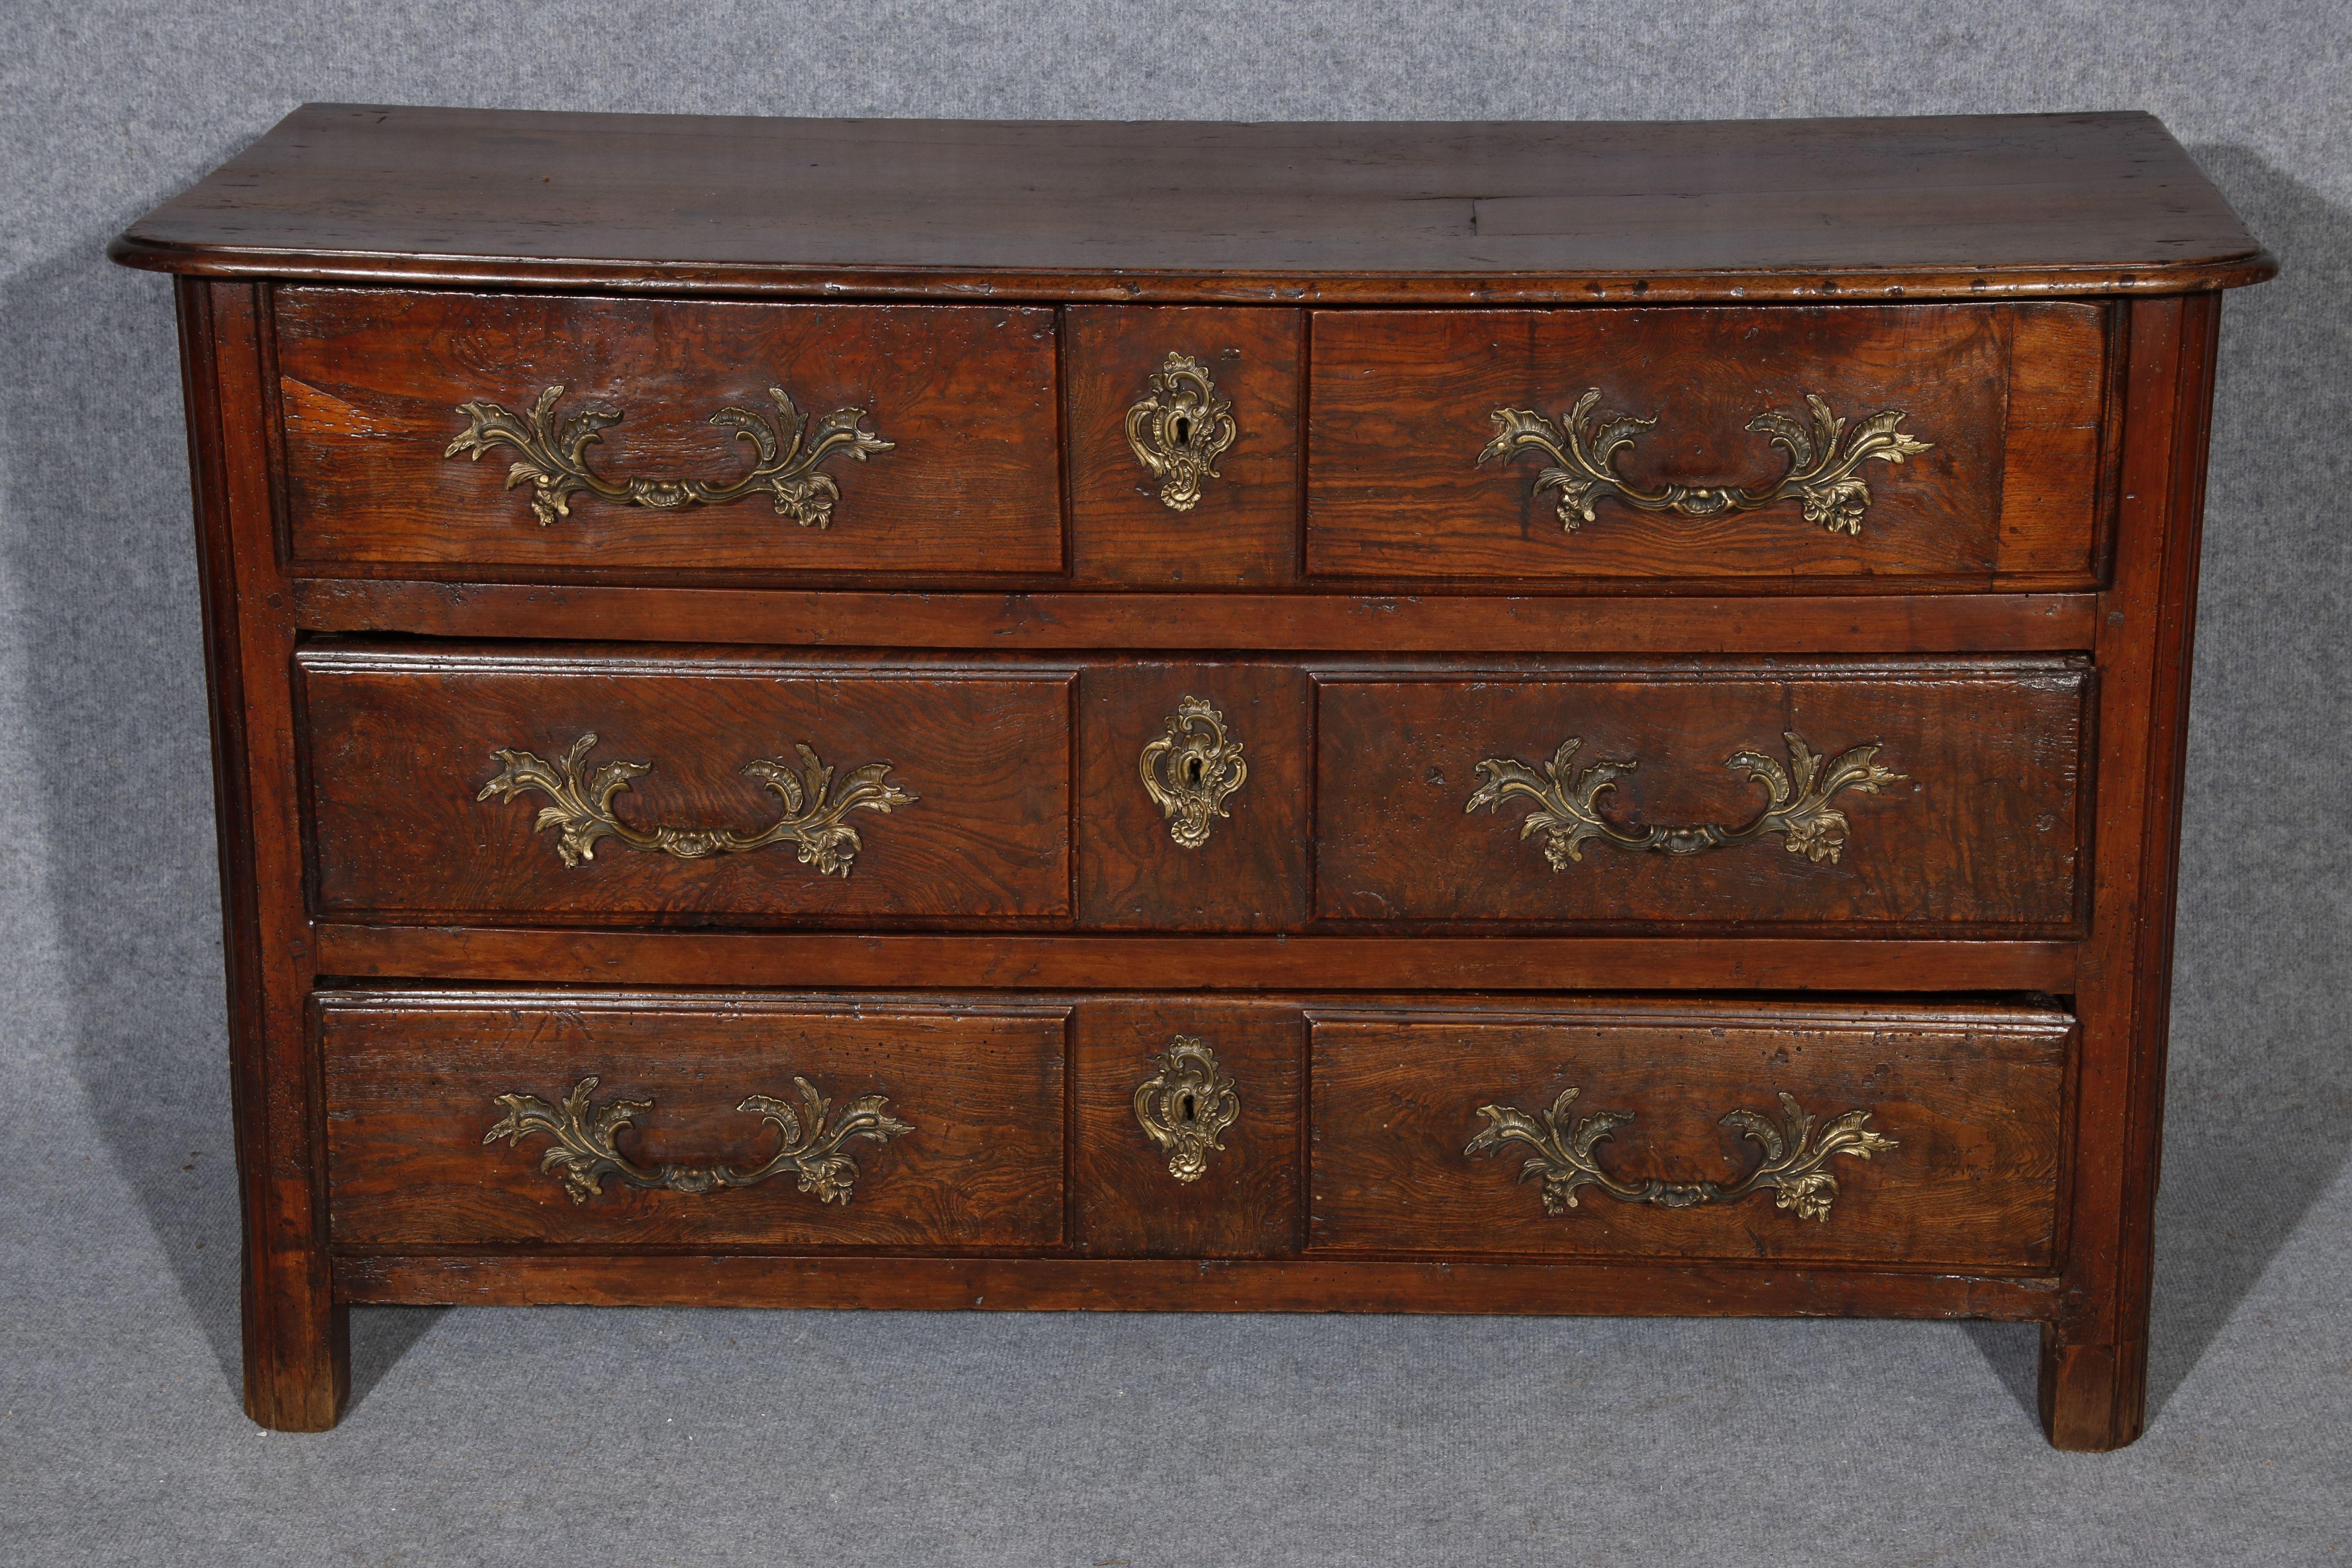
{"x":1821,"y":471}
{"x":1193,"y":769}
{"x":1568,"y":810}
{"x":1186,"y":1106}
{"x":555,"y":461}
{"x":1179,"y":430}
{"x":813,"y":819}
{"x":1795,"y":1157}
{"x":585,"y":1152}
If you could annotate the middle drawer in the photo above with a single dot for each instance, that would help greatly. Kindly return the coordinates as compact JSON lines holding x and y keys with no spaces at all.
{"x":1883,"y":797}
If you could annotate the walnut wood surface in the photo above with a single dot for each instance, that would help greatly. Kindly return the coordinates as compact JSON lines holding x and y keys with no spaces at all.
{"x":1252,"y":873}
{"x":1529,"y":1287}
{"x":1401,"y":404}
{"x":1246,"y":1204}
{"x":370,"y":381}
{"x":412,"y":1084}
{"x":1970,"y":1095}
{"x":400,"y":743}
{"x":1411,"y":623}
{"x":1244,"y":528}
{"x":1982,"y":833}
{"x":1373,"y":961}
{"x":1959,"y":206}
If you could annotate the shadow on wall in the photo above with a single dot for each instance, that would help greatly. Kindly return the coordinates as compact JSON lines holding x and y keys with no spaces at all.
{"x":2258,"y":1119}
{"x":93,"y":451}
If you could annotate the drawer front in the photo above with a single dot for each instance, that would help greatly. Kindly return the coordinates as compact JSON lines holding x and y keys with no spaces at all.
{"x":586,"y":785}
{"x":1680,"y":444}
{"x":1778,"y":1131}
{"x":911,"y":439}
{"x":672,"y":1119}
{"x":1928,"y":799}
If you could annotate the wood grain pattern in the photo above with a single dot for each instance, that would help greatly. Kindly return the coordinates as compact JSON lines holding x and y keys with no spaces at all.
{"x":1245,"y":529}
{"x":1981,"y":834}
{"x":1409,"y":622}
{"x":371,"y":382}
{"x":1252,"y":873}
{"x":1315,"y":1284}
{"x":400,"y":743}
{"x":1952,"y":206}
{"x":412,"y":1082}
{"x":1970,"y":1095}
{"x":1403,"y":401}
{"x":1246,"y":1204}
{"x":1370,"y":961}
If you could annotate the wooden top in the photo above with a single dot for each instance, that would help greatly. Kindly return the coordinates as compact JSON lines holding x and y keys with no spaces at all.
{"x":1955,"y":207}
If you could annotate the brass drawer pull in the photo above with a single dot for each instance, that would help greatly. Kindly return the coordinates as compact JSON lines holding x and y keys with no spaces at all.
{"x":1186,"y":1106}
{"x":555,"y":461}
{"x":1569,"y":811}
{"x":1180,"y":428}
{"x":1794,"y":1167}
{"x":1822,"y":472}
{"x":584,"y":807}
{"x":1193,"y":769}
{"x":584,"y":1153}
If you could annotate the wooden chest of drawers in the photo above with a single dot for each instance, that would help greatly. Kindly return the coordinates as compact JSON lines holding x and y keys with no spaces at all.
{"x":1447,"y":718}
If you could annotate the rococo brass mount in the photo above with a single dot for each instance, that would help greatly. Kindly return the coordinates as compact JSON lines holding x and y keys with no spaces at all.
{"x":555,"y":462}
{"x":1821,"y":472}
{"x":582,"y":807}
{"x":585,"y":1151}
{"x":1180,"y":429}
{"x":1570,"y":811}
{"x":1186,"y":1105}
{"x":1794,"y":1157}
{"x":1193,"y":769}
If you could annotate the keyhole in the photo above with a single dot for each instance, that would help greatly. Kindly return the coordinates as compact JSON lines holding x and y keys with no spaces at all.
{"x":1192,"y":769}
{"x":1185,"y":1108}
{"x":1183,"y":428}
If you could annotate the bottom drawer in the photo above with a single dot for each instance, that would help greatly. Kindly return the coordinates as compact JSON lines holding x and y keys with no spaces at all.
{"x":1786,"y":1132}
{"x":598,"y":1119}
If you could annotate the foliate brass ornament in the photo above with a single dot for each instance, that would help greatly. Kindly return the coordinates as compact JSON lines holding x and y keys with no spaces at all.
{"x":1193,"y":769}
{"x":582,"y":807}
{"x":1186,"y":1105}
{"x":1569,"y":809}
{"x":555,"y":461}
{"x":1794,"y":1167}
{"x":1821,"y":462}
{"x":584,"y":1153}
{"x":1180,"y":429}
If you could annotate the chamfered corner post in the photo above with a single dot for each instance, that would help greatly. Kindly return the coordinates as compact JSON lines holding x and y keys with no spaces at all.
{"x":296,"y":1334}
{"x":2093,"y":1379}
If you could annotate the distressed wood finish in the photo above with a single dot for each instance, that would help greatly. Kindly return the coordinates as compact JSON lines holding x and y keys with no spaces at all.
{"x":413,"y":1082}
{"x":401,"y":745}
{"x":1960,"y":207}
{"x":1246,"y":1204}
{"x":1244,"y":528}
{"x":1981,"y":836}
{"x":1402,"y":404}
{"x":1971,"y":1097}
{"x":371,"y":382}
{"x":1004,"y":610}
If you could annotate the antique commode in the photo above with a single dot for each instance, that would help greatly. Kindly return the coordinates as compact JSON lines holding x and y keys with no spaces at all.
{"x":1405,"y":718}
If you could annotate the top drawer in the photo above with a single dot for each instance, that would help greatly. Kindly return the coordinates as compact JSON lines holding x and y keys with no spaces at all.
{"x":642,"y":434}
{"x":1932,"y":442}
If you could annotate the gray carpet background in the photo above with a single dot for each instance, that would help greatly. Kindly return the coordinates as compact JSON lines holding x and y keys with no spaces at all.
{"x":656,"y":1437}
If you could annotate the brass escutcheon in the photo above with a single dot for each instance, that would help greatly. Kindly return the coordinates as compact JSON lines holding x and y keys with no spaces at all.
{"x":1193,"y":769}
{"x":1186,"y":1105}
{"x":1179,"y":430}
